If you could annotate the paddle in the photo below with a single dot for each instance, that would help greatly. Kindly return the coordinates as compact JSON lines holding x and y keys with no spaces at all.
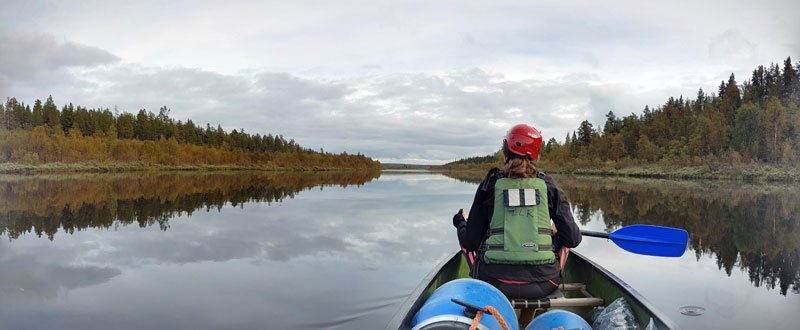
{"x":647,"y":239}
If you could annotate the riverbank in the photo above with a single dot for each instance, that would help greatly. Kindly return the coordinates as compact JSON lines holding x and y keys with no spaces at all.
{"x":731,"y":172}
{"x":706,"y":172}
{"x":120,"y":167}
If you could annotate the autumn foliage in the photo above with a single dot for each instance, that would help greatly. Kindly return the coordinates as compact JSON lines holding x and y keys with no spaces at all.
{"x":756,"y":122}
{"x":43,"y":134}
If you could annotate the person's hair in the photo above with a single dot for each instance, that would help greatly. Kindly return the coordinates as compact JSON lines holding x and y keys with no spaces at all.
{"x":518,"y":166}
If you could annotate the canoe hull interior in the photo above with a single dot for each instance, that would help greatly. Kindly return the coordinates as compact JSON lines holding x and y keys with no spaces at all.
{"x":599,"y":283}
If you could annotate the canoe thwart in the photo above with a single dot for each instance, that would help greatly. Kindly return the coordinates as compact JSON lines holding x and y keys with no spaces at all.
{"x":572,"y":286}
{"x":577,"y":302}
{"x":560,"y":302}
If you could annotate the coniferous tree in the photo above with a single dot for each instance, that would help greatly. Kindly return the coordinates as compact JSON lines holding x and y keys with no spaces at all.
{"x":730,"y":98}
{"x":50,"y":113}
{"x":585,"y":132}
{"x":125,"y":126}
{"x":789,"y":80}
{"x":612,"y":125}
{"x":700,"y":102}
{"x":67,"y":113}
{"x":748,"y":132}
{"x":758,"y":87}
{"x":37,"y":115}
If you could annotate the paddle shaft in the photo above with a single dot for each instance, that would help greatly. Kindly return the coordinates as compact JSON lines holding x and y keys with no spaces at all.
{"x":594,"y":234}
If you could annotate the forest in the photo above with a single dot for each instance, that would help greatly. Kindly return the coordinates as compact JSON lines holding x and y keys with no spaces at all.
{"x":750,"y":123}
{"x":42,"y":133}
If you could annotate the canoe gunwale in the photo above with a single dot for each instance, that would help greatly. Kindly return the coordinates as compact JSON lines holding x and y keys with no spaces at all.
{"x":415,"y":299}
{"x":623,"y":286}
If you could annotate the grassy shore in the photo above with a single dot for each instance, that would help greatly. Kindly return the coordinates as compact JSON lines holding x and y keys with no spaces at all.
{"x":729,"y":172}
{"x":713,"y":172}
{"x":106,"y":167}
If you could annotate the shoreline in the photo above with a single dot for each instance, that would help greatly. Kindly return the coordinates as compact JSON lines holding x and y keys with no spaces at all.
{"x":767,"y":173}
{"x":120,"y":167}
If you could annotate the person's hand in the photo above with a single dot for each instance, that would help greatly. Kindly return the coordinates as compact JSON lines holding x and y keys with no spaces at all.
{"x":458,"y":217}
{"x":553,"y":226}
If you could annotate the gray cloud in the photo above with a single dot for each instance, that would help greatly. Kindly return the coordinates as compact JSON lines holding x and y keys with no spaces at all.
{"x":408,"y":86}
{"x":31,"y":54}
{"x":35,"y":60}
{"x":731,"y":43}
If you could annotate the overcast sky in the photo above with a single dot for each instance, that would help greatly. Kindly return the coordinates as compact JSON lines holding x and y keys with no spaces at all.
{"x":410,"y":81}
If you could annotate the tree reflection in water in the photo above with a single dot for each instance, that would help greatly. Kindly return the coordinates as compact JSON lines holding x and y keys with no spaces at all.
{"x":754,"y":227}
{"x":45,"y":204}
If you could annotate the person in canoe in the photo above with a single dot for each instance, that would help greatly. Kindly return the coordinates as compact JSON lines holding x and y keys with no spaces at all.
{"x":509,"y":226}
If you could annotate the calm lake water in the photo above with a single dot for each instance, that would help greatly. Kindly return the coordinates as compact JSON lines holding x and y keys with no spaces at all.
{"x":343,"y":250}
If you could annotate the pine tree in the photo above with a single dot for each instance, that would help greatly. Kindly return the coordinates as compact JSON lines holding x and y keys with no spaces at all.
{"x":748,"y":132}
{"x":789,"y":80}
{"x":774,"y":81}
{"x":50,"y":113}
{"x":700,"y":102}
{"x":125,"y":126}
{"x":37,"y":115}
{"x":585,"y":131}
{"x":67,"y":113}
{"x":612,"y":124}
{"x":731,"y":98}
{"x":757,"y":93}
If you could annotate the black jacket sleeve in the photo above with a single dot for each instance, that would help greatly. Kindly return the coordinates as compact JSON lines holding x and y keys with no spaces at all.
{"x":567,"y":231}
{"x":471,"y":233}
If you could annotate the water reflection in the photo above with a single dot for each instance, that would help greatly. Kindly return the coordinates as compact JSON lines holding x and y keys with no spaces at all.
{"x":30,"y":278}
{"x":245,"y":250}
{"x":753,"y":227}
{"x":88,"y":251}
{"x":45,"y":204}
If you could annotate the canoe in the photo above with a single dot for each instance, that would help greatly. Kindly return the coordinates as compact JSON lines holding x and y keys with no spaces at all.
{"x":586,"y":286}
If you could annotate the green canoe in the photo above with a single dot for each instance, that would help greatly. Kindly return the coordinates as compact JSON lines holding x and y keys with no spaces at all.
{"x":586,"y":285}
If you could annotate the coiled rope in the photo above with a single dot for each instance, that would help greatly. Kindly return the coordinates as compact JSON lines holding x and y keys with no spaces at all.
{"x":493,"y":311}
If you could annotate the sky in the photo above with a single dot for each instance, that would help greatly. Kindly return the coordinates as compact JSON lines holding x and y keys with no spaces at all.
{"x":402,"y":81}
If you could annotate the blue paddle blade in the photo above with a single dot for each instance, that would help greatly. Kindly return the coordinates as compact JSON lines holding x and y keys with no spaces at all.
{"x":651,"y":240}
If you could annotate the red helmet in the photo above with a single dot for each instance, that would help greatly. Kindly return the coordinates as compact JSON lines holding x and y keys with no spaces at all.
{"x":524,"y":140}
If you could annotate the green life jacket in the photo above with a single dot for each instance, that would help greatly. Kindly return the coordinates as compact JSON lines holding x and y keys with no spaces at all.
{"x":519,"y":232}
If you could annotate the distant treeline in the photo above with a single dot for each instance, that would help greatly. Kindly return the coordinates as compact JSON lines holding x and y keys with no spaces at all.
{"x":475,"y":160}
{"x":481,"y":163}
{"x":756,"y":122}
{"x":44,"y":134}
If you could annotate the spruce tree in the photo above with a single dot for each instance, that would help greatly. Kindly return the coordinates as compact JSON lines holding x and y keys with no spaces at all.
{"x":731,"y":99}
{"x":37,"y":115}
{"x":50,"y":112}
{"x":789,"y":80}
{"x":67,"y":113}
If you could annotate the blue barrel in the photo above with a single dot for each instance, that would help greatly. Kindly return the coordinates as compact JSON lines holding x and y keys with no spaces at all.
{"x":558,"y":318}
{"x":439,"y":311}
